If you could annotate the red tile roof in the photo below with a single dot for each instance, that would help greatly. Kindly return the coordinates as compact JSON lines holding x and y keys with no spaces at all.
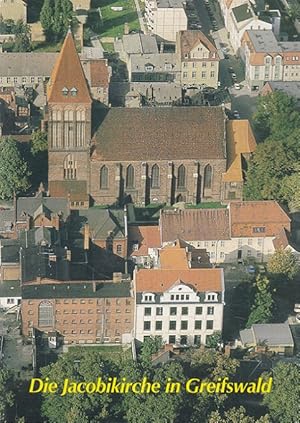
{"x":247,"y":215}
{"x":160,"y":280}
{"x":146,"y":236}
{"x":168,"y":133}
{"x":99,"y":73}
{"x":190,"y":39}
{"x":68,"y":73}
{"x":195,"y":224}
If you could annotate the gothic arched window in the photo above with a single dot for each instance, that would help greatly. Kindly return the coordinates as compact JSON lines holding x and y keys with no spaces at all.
{"x":45,"y":314}
{"x":70,"y":167}
{"x":130,"y":177}
{"x":155,"y":176}
{"x":103,"y":177}
{"x":181,"y":177}
{"x":207,"y":176}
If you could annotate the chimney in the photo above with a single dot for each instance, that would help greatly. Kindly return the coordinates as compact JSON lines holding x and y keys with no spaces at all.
{"x":161,"y":49}
{"x":94,"y":286}
{"x":1,"y":48}
{"x":117,"y":277}
{"x":86,"y":236}
{"x":68,"y":255}
{"x":126,"y":28}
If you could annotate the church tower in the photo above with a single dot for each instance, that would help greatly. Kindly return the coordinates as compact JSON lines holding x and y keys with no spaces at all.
{"x":69,"y":127}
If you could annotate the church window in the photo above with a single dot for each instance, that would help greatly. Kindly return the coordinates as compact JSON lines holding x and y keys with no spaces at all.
{"x":181,"y":177}
{"x":130,"y":177}
{"x":207,"y":176}
{"x":103,"y":177}
{"x":70,"y":167}
{"x":73,"y":92}
{"x":45,"y":314}
{"x":155,"y":176}
{"x":65,"y":91}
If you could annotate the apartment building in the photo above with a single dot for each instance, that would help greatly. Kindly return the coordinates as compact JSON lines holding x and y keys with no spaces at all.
{"x":165,"y":18}
{"x":79,"y":312}
{"x":243,"y":230}
{"x":266,"y":59}
{"x":198,"y":58}
{"x":182,"y":306}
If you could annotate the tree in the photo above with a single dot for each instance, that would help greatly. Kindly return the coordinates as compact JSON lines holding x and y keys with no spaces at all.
{"x":283,"y":400}
{"x":235,"y":415}
{"x":290,"y":190}
{"x":46,"y":18}
{"x":38,"y":142}
{"x":261,"y":311}
{"x":67,"y":10}
{"x":150,"y":346}
{"x":80,"y":408}
{"x":276,"y":115}
{"x":22,"y":40}
{"x":214,"y":340}
{"x":14,"y":172}
{"x":283,"y":263}
{"x":6,"y":395}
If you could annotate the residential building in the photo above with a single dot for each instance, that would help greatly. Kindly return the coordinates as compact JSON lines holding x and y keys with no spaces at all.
{"x":132,"y":44}
{"x":160,"y":94}
{"x":81,"y":4}
{"x":182,"y":306}
{"x":290,"y":88}
{"x":165,"y":18}
{"x":198,"y":58}
{"x":15,"y":10}
{"x":157,"y":67}
{"x":266,"y":59}
{"x":241,"y":19}
{"x":80,"y":312}
{"x":143,"y":244}
{"x":269,"y":337}
{"x":241,"y":231}
{"x":10,"y":294}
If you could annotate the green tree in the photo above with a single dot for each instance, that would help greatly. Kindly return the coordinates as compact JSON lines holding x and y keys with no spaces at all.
{"x":23,"y":33}
{"x":214,"y":340}
{"x":290,"y":190}
{"x":150,"y":346}
{"x":46,"y":18}
{"x":38,"y":142}
{"x":58,"y":20}
{"x":283,"y":263}
{"x":6,"y":395}
{"x":235,"y":415}
{"x":67,"y":10}
{"x":14,"y":172}
{"x":83,"y":408}
{"x":283,"y":400}
{"x":276,"y":115}
{"x":261,"y":311}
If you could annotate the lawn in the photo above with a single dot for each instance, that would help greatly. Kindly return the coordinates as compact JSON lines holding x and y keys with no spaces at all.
{"x":209,"y":205}
{"x":41,"y":47}
{"x":112,"y":24}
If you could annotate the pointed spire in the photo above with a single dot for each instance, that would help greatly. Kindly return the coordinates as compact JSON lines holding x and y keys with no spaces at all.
{"x":67,"y":83}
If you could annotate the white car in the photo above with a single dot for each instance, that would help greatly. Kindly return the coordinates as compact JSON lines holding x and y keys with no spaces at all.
{"x":237,"y":86}
{"x":236,"y":115}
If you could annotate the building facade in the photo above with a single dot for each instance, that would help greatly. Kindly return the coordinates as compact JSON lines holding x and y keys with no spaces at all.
{"x":183,"y":307}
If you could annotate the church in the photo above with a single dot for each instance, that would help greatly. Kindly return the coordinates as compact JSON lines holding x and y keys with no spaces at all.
{"x":142,"y":155}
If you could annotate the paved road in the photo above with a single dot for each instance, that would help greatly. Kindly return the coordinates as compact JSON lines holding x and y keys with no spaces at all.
{"x":244,"y":101}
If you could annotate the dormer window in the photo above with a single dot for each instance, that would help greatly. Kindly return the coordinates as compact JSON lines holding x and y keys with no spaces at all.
{"x":148,"y":298}
{"x":65,"y":91}
{"x":211,"y":296}
{"x":73,"y":92}
{"x":149,"y":67}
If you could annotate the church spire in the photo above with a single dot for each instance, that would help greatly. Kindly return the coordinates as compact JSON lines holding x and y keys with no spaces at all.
{"x":67,"y":84}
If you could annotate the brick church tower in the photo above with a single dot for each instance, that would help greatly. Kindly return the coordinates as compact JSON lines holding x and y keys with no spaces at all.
{"x":69,"y":127}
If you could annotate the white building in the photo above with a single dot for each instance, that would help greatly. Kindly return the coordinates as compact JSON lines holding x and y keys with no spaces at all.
{"x":10,"y":294}
{"x":181,"y":306}
{"x":166,"y":17}
{"x":241,"y":231}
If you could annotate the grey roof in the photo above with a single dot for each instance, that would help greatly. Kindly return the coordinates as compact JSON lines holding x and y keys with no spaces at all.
{"x":170,"y":3}
{"x":290,"y":46}
{"x":160,"y":91}
{"x":291,"y":88}
{"x":10,"y":250}
{"x":76,"y":290}
{"x":272,"y":334}
{"x":92,"y":52}
{"x":42,"y":235}
{"x":159,"y":61}
{"x":6,"y":220}
{"x":10,"y":289}
{"x":139,"y":44}
{"x":31,"y":205}
{"x":102,"y":222}
{"x":27,"y":64}
{"x":264,"y":41}
{"x":246,"y":336}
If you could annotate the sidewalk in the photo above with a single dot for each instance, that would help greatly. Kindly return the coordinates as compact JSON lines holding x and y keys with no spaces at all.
{"x":140,"y":17}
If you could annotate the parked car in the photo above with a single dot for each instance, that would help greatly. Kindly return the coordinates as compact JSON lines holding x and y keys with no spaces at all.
{"x":261,"y":268}
{"x":236,"y":115}
{"x":297,"y":308}
{"x":250,"y":269}
{"x":230,"y":69}
{"x":233,"y":76}
{"x":237,"y":86}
